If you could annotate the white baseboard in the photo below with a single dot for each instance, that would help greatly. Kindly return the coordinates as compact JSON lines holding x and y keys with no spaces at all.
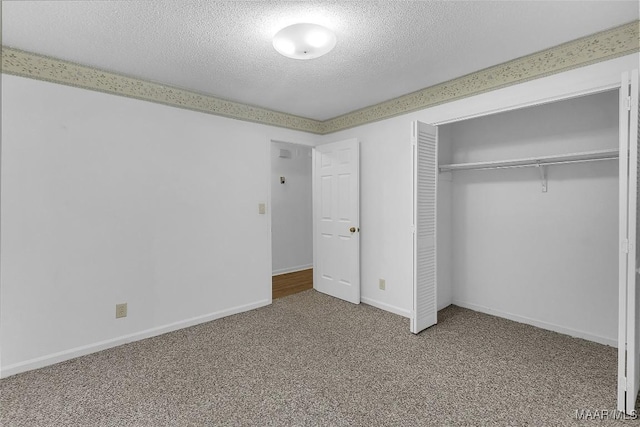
{"x":51,"y":359}
{"x":539,"y":323}
{"x":386,"y":307}
{"x":444,"y":305}
{"x":291,"y":269}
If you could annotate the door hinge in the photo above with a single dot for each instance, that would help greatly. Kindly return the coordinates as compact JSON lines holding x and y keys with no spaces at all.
{"x":627,"y":103}
{"x":625,"y":246}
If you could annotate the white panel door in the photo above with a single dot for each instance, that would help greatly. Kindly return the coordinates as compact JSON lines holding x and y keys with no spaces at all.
{"x":629,"y":307}
{"x":425,"y":184}
{"x":336,"y":213}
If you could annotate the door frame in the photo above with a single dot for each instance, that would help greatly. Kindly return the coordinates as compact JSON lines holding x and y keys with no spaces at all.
{"x":542,"y":101}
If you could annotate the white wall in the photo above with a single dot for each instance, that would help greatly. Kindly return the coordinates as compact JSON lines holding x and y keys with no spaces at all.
{"x":106,"y":200}
{"x":291,"y":219}
{"x":546,"y":258}
{"x":385,"y":182}
{"x":386,"y":248}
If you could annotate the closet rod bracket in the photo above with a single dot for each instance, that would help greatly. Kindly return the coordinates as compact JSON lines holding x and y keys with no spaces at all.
{"x":543,"y":175}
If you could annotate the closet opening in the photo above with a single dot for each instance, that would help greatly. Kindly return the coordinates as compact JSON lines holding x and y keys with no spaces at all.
{"x":528,"y":215}
{"x":521,"y":214}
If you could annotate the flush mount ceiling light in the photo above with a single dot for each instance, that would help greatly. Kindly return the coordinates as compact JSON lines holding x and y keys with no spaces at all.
{"x":304,"y":41}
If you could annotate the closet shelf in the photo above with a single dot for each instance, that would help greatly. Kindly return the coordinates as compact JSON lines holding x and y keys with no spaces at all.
{"x":587,"y":156}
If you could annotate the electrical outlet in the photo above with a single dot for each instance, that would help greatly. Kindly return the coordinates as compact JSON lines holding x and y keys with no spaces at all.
{"x":121,"y":310}
{"x":382,"y":284}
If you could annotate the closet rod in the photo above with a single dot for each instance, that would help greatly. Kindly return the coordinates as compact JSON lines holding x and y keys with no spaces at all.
{"x":528,"y":165}
{"x":558,"y":159}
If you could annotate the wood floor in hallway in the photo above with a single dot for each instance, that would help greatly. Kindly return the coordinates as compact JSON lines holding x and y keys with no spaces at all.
{"x":283,"y":285}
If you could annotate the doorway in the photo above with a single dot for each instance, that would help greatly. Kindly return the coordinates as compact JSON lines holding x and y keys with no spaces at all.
{"x":291,"y":218}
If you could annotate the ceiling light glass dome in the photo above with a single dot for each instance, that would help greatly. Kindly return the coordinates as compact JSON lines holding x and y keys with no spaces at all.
{"x":304,"y":41}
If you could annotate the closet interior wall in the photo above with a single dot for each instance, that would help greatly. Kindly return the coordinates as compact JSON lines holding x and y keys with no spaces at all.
{"x":545,"y":258}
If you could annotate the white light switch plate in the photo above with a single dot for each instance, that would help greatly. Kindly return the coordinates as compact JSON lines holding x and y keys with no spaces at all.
{"x":262,"y":208}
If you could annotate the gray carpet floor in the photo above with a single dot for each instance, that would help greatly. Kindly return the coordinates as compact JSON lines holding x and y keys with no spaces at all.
{"x":310,"y":359}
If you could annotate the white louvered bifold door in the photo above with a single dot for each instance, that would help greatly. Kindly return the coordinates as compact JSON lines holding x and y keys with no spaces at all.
{"x":629,"y":307}
{"x":425,"y":184}
{"x":633,"y":343}
{"x":634,"y":141}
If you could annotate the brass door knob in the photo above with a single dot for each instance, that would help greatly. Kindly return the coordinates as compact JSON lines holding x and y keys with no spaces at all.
{"x":352,"y":229}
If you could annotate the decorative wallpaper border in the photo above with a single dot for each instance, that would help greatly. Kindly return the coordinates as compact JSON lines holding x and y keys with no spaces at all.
{"x":40,"y":67}
{"x":619,"y":41}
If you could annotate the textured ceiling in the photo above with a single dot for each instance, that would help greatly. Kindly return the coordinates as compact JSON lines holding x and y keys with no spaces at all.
{"x":385,"y":48}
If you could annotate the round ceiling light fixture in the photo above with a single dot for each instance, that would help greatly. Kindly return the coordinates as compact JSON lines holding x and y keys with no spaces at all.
{"x":304,"y":41}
